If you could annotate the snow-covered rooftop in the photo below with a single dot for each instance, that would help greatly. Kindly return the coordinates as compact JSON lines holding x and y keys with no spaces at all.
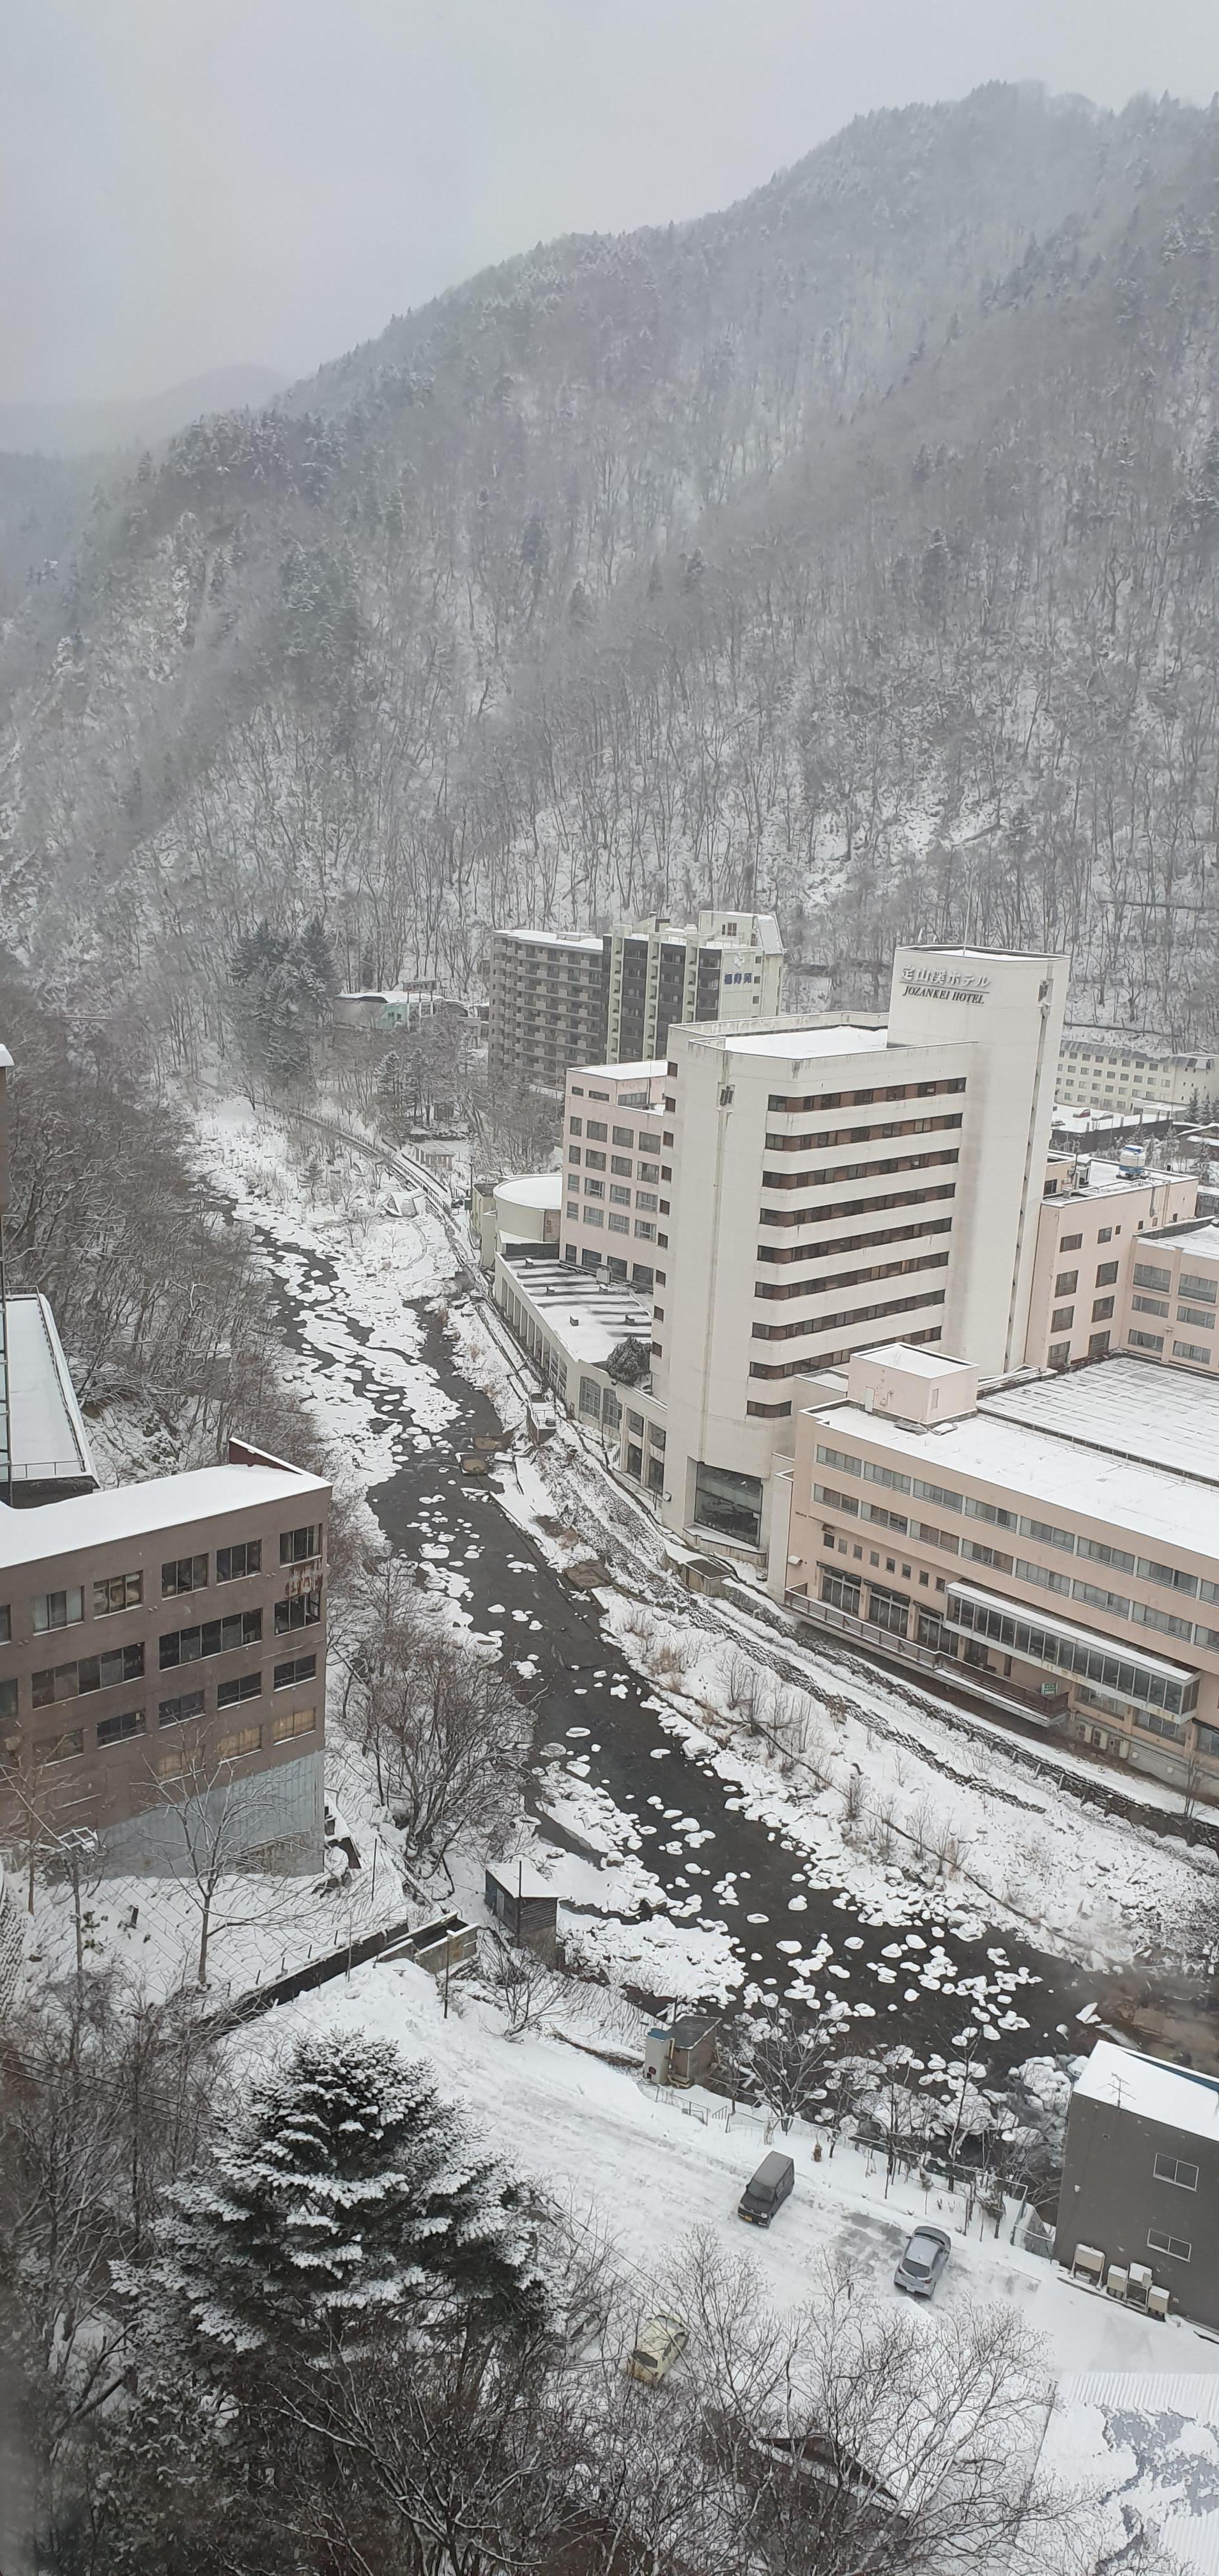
{"x":798,"y":1044}
{"x":162,"y":1502}
{"x":1179,"y":2097}
{"x":587,"y":1317}
{"x":1149,"y":1471}
{"x":47,"y":1432}
{"x":1198,"y":1242}
{"x":644,"y":1068}
{"x":532,"y":1189}
{"x":1133,"y":1409}
{"x":913,"y":1361}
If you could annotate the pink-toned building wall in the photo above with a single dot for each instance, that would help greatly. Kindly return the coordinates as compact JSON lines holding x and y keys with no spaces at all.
{"x":615,"y":1198}
{"x":1084,"y":1252}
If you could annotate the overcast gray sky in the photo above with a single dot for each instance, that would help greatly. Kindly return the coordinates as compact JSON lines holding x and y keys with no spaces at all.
{"x":185,"y":183}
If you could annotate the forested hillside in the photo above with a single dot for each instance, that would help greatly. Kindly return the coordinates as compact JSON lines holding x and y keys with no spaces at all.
{"x":855,"y":551}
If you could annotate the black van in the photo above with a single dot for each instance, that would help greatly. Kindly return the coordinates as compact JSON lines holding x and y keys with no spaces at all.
{"x":767,"y":2191}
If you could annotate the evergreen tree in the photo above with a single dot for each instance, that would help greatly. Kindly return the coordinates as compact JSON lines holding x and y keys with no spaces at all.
{"x":350,"y":2193}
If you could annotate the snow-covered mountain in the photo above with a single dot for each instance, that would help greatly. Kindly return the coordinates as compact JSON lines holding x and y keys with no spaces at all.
{"x":853,"y":551}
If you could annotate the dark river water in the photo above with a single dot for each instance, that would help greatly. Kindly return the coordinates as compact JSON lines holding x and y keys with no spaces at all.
{"x":580,"y":1682}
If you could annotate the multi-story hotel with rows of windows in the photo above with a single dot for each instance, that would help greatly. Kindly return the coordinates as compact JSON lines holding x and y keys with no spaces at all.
{"x":825,"y":1187}
{"x":156,"y":1630}
{"x":1053,"y":1539}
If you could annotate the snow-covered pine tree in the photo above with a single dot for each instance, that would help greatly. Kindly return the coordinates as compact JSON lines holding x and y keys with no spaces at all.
{"x":349,"y":2194}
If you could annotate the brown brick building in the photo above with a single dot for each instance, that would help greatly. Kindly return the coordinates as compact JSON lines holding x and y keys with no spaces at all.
{"x":149,"y":1628}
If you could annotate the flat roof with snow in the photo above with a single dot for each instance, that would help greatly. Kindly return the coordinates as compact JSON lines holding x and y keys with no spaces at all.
{"x":913,"y":1361}
{"x":796,"y":1043}
{"x":1179,"y":2097}
{"x":586,"y":1316}
{"x":47,"y":1430}
{"x":1128,"y":1408}
{"x":1045,"y":1463}
{"x":160,"y":1502}
{"x":634,"y":1070}
{"x":1194,"y":1238}
{"x":533,"y":1189}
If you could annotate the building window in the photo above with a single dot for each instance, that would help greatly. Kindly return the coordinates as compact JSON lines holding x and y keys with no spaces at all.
{"x":57,"y":1610}
{"x":619,"y":1197}
{"x":116,"y":1730}
{"x":213,"y":1637}
{"x":1106,"y":1273}
{"x":594,"y":1216}
{"x":594,"y":1189}
{"x":234,"y":1563}
{"x":841,"y":1591}
{"x":1191,"y":1351}
{"x":1150,"y":1305}
{"x":244,"y":1739}
{"x":1098,"y":1343}
{"x":1160,"y":2242}
{"x":646,"y":1199}
{"x":728,"y":1503}
{"x":573,"y":1153}
{"x":1146,"y":1275}
{"x":6,"y":1623}
{"x":1101,"y":1308}
{"x":1178,"y":2170}
{"x":296,"y":1546}
{"x":1062,"y":1319}
{"x":1104,"y":1234}
{"x":594,"y":1162}
{"x":634,"y":1460}
{"x":622,"y":1165}
{"x":1192,"y":1284}
{"x":301,"y":1668}
{"x":1070,"y":1243}
{"x":1196,"y":1315}
{"x":177,"y":1712}
{"x":618,"y":1224}
{"x":302,"y":1612}
{"x":1059,"y":1354}
{"x":293,"y":1721}
{"x":1066,"y":1283}
{"x":889,"y":1610}
{"x":91,"y":1673}
{"x":117,"y":1592}
{"x":61,"y":1748}
{"x":231,"y":1694}
{"x":645,"y":1230}
{"x":183,"y":1574}
{"x":596,"y":1127}
{"x":1145,"y":1341}
{"x":590,"y":1398}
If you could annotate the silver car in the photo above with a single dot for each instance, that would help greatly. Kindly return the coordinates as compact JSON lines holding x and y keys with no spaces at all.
{"x":923,"y":2261}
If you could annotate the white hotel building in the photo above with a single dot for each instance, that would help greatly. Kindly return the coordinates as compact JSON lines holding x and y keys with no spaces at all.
{"x":826,"y":1188}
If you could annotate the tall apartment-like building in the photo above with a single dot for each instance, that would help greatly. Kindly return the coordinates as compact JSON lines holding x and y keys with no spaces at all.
{"x":547,"y":1007}
{"x":830,"y":1185}
{"x":559,"y":1001}
{"x":1108,"y":1072}
{"x":612,"y":1207}
{"x":147,"y":1624}
{"x":727,"y":965}
{"x":1092,"y":1218}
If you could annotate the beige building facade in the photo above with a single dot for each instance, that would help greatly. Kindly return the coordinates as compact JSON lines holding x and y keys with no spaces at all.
{"x":615,"y":1183}
{"x":161,"y":1634}
{"x":1091,"y":1219}
{"x":832,"y":1183}
{"x":1054,"y":1540}
{"x":1105,"y":1072}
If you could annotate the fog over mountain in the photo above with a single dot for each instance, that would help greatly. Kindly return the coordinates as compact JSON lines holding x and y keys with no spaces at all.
{"x":853,"y":552}
{"x":89,"y":429}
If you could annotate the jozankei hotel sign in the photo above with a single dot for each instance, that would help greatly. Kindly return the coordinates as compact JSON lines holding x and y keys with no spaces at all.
{"x":932,"y":984}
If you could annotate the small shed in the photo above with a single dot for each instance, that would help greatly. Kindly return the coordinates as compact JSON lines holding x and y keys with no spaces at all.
{"x":524,"y":1904}
{"x":680,"y":2052}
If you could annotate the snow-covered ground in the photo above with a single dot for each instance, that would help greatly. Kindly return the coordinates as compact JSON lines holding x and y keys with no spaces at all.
{"x":658,"y":2165}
